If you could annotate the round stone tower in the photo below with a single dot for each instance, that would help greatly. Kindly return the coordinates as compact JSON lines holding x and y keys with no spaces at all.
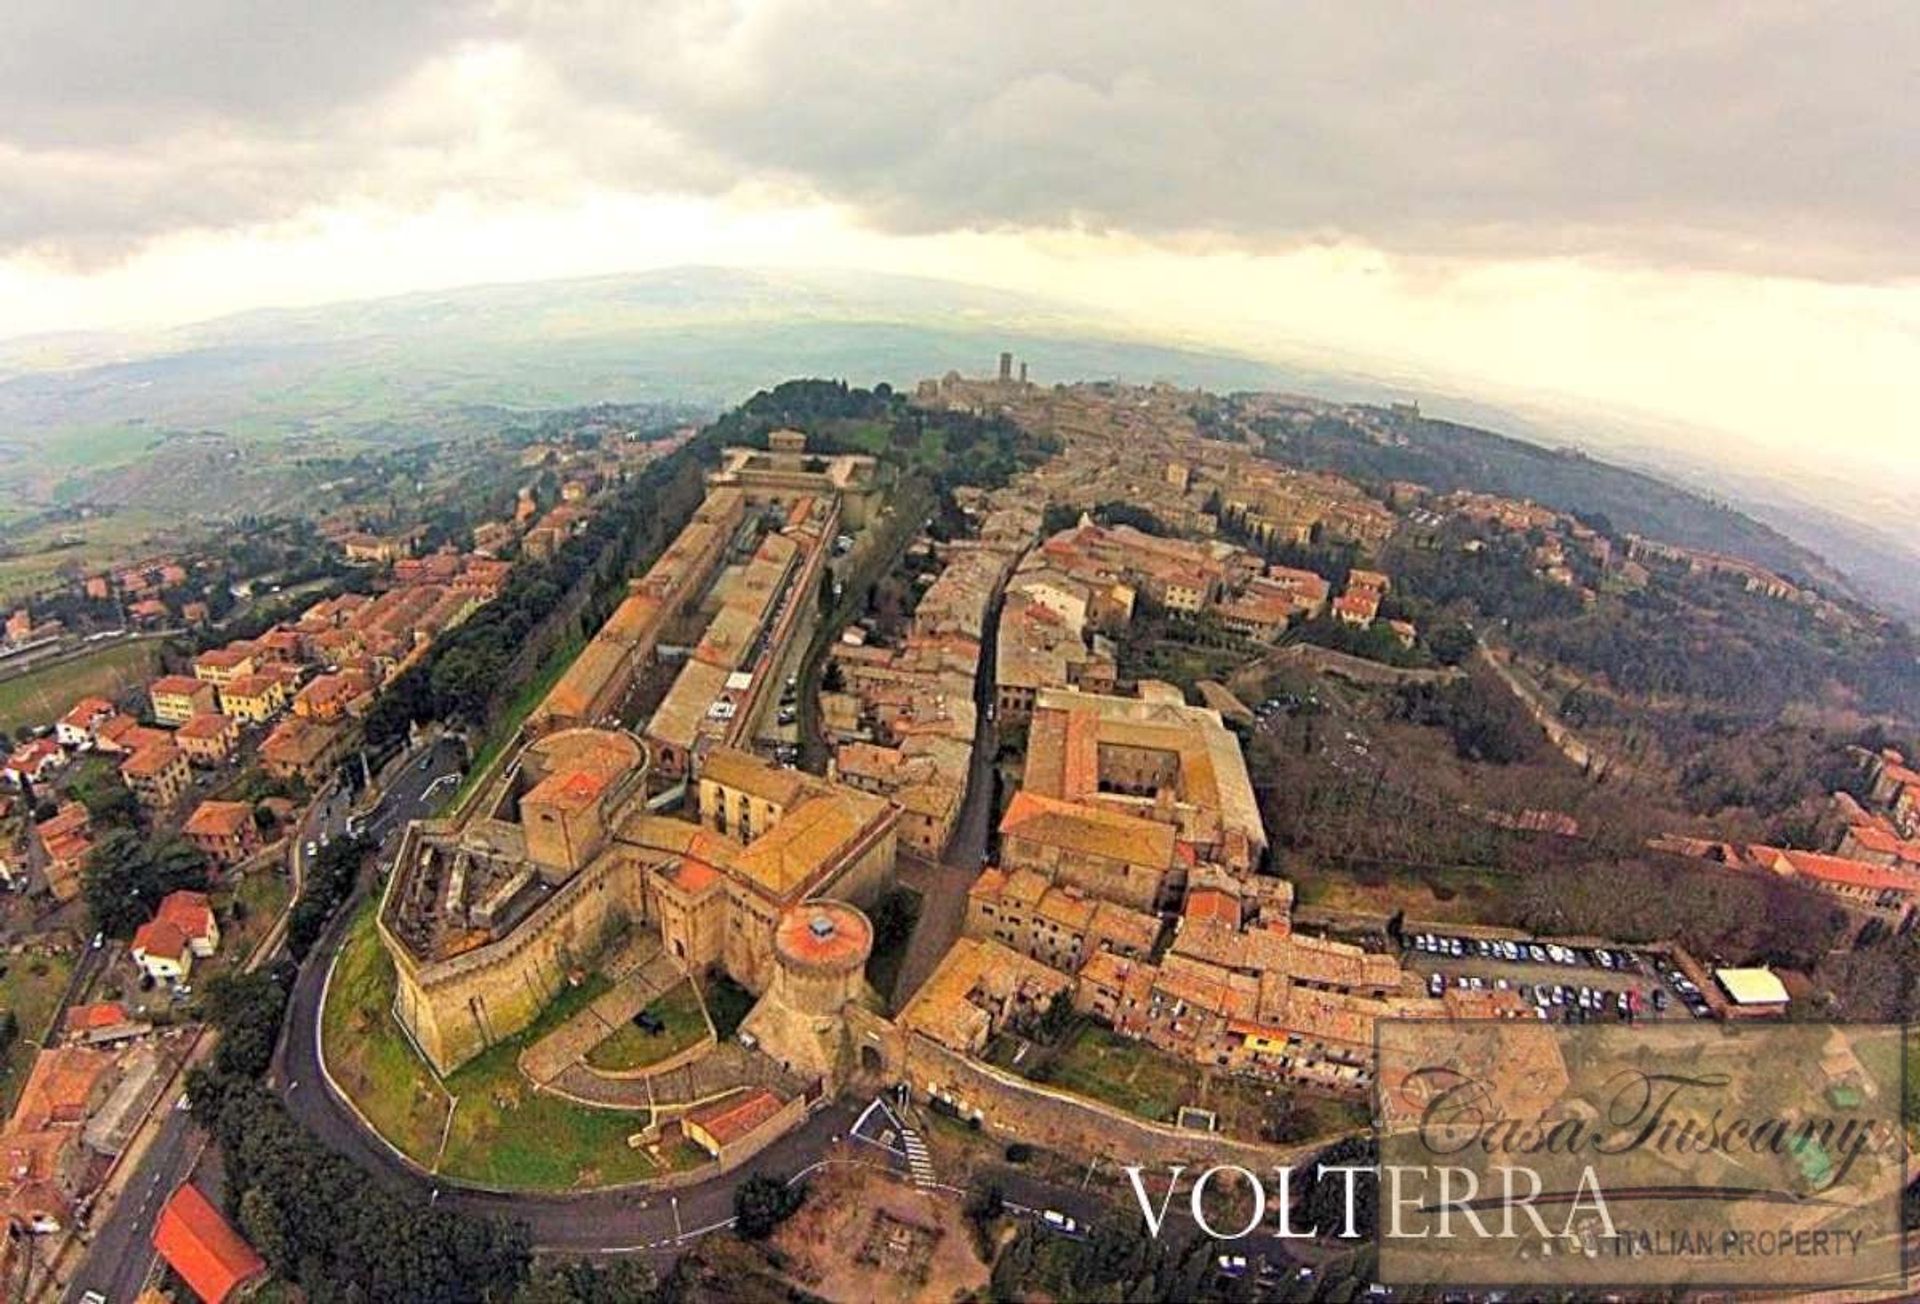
{"x":820,"y":950}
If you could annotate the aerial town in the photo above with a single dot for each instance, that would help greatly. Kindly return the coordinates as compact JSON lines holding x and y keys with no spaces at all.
{"x":964,"y":835}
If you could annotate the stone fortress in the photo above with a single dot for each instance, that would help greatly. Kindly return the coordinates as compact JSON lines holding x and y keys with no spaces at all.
{"x":491,"y":914}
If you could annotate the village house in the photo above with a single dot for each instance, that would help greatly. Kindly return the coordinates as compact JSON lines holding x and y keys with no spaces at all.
{"x":208,"y":740}
{"x":176,"y":699}
{"x":33,"y":761}
{"x":254,"y":698}
{"x":157,"y":775}
{"x":75,"y":728}
{"x":723,"y":1127}
{"x":65,"y":841}
{"x":224,"y":830}
{"x":220,"y":666}
{"x":181,"y":930}
{"x":303,"y":750}
{"x":202,"y":1247}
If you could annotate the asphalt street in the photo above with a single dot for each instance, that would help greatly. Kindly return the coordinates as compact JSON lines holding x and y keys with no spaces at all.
{"x":631,"y":1221}
{"x":121,"y":1253}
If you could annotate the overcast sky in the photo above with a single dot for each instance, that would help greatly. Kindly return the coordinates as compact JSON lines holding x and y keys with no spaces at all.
{"x":1702,"y":212}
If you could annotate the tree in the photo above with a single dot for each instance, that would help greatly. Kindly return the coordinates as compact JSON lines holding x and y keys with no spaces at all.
{"x":97,"y":786}
{"x":1451,"y":644}
{"x":265,"y":1227}
{"x":576,"y":1281}
{"x":127,"y":876}
{"x":762,"y":1203}
{"x":246,"y":1008}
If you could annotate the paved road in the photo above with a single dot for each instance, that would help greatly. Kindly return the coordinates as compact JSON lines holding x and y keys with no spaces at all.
{"x":121,"y":1255}
{"x":943,"y":886}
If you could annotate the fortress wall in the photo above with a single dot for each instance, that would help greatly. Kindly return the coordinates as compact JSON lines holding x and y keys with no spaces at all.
{"x":867,"y":877}
{"x":458,"y":1007}
{"x":1056,"y":1120}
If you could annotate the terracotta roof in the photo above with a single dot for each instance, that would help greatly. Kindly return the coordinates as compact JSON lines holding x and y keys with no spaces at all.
{"x":745,"y":772}
{"x":824,"y":933}
{"x":178,"y":686}
{"x":1088,"y":829}
{"x":159,"y":939}
{"x":148,"y":761}
{"x":60,"y":1087}
{"x":84,"y":712}
{"x":1213,"y":905}
{"x":223,"y":657}
{"x":1851,"y":873}
{"x":219,"y":819}
{"x":200,"y":1245}
{"x":693,"y":876}
{"x":729,"y":1119}
{"x":100,"y":1014}
{"x":256,"y":685}
{"x":205,"y":725}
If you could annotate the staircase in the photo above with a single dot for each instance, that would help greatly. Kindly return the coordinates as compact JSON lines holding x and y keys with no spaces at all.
{"x":919,"y":1162}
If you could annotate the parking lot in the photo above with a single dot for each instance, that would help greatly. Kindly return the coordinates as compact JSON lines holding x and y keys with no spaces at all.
{"x":1569,"y":984}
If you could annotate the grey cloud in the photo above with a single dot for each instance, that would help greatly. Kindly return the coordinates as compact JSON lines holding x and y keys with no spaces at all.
{"x":1764,"y":136}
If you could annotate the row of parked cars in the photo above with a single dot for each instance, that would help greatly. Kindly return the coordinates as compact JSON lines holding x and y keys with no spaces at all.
{"x":1494,"y":948}
{"x":1686,"y":989}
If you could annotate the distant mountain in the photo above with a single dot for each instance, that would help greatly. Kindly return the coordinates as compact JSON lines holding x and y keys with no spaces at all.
{"x":711,"y":336}
{"x":434,"y":364}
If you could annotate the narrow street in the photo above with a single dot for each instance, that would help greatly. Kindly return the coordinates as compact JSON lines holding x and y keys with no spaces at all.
{"x":943,"y":885}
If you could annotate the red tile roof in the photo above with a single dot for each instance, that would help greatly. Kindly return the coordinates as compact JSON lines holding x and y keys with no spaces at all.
{"x":101,"y":1014}
{"x":734,"y":1117}
{"x":200,"y":1245}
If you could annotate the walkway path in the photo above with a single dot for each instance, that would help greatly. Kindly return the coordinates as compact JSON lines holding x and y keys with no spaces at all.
{"x":642,"y":973}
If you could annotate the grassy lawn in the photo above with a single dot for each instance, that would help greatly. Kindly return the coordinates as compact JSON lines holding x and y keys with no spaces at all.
{"x":31,"y":987}
{"x":1101,"y":1064}
{"x":260,"y":897}
{"x":634,"y":1048}
{"x":727,"y":1005}
{"x":518,"y":709}
{"x":43,"y":696}
{"x":509,"y":1135}
{"x":504,"y":1133}
{"x":367,"y":1053}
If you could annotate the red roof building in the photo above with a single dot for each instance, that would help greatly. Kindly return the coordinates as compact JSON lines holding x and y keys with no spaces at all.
{"x":200,"y":1245}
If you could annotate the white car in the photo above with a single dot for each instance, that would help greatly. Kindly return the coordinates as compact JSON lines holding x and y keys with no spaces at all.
{"x":1232,"y":1265}
{"x":1059,"y":1222}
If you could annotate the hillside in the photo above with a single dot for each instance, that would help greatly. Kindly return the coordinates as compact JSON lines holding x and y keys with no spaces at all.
{"x":1445,"y":456}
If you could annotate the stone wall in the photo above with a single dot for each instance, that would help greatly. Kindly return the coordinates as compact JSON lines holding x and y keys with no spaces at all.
{"x":458,"y":1007}
{"x":1011,"y":1106}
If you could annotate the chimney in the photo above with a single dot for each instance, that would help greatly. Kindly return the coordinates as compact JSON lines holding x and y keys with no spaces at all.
{"x":1023,"y":372}
{"x":1006,"y":367}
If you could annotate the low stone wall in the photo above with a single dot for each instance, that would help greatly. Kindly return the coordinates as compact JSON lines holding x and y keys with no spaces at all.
{"x":1361,"y":671}
{"x":1056,"y":1120}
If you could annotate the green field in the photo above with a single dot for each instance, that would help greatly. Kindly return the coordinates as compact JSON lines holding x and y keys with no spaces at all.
{"x":503,"y":1133}
{"x":369,"y":1056}
{"x":37,"y":556}
{"x":42,"y":696}
{"x":631,"y":1048}
{"x":503,"y":730}
{"x":31,"y":987}
{"x":249,"y":912}
{"x":1130,"y":1075}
